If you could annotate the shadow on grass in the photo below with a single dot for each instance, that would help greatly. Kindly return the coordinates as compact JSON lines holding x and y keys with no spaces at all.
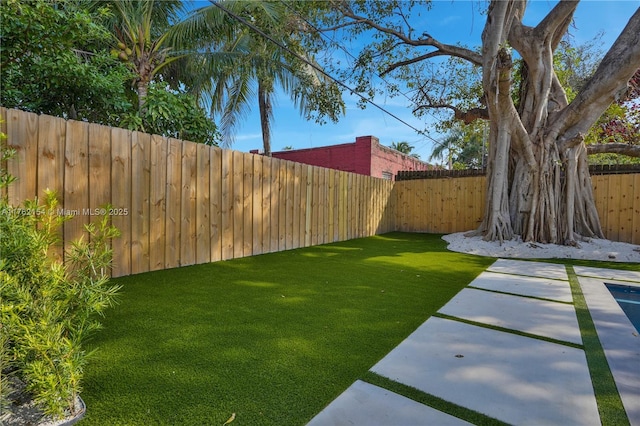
{"x":273,"y":338}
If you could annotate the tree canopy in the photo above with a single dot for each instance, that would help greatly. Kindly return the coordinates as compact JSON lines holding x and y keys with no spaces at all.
{"x":81,"y":60}
{"x":538,"y":186}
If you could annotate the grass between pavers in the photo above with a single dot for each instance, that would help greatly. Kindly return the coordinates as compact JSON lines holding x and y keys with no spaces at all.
{"x":433,"y":401}
{"x":610,"y":407}
{"x":273,"y":338}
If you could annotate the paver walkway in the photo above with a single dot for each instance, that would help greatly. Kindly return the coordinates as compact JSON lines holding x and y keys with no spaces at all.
{"x":508,"y":346}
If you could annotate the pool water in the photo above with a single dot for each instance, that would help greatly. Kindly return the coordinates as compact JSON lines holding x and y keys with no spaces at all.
{"x":628,"y":298}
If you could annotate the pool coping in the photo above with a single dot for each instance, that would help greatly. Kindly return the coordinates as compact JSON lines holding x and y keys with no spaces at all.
{"x":618,"y":337}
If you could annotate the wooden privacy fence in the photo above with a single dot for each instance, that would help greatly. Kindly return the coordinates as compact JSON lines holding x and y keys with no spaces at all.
{"x":179,"y":203}
{"x":444,"y":205}
{"x":439,"y":205}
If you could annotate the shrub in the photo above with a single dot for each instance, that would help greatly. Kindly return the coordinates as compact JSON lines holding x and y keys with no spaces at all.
{"x":48,"y":309}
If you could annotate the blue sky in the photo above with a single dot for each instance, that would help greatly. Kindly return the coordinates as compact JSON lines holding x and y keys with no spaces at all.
{"x":449,"y":22}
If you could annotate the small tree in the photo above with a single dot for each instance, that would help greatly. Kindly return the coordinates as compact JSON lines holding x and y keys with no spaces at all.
{"x":48,"y":309}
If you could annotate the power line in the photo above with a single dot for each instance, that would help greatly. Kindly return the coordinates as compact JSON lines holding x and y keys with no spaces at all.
{"x":316,"y":67}
{"x":345,"y":50}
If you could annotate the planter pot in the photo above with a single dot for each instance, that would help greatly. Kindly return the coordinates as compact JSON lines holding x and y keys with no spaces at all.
{"x":81,"y":408}
{"x":27,"y":414}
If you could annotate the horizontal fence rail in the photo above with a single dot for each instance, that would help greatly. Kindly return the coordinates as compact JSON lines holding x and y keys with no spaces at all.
{"x":180,"y":203}
{"x":594,"y":169}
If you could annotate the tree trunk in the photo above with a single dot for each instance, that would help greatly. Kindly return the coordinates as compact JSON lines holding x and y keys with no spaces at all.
{"x":144,"y":75}
{"x":266,"y":112}
{"x":538,"y":183}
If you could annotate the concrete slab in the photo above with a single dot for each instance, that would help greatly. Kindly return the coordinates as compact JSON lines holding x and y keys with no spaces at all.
{"x":545,"y":288}
{"x":619,"y":339}
{"x":531,"y":269}
{"x":365,"y":404}
{"x":611,"y":274}
{"x":516,"y":379}
{"x":534,"y":316}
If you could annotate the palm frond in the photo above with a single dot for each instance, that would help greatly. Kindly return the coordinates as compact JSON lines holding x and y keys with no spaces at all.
{"x":237,"y":106}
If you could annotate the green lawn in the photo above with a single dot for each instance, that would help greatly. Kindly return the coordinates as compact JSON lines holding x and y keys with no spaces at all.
{"x":272,"y":338}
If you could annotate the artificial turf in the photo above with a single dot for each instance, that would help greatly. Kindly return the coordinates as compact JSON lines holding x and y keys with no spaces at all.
{"x":273,"y":338}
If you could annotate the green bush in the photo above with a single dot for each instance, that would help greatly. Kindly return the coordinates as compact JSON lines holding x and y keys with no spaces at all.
{"x":48,"y":309}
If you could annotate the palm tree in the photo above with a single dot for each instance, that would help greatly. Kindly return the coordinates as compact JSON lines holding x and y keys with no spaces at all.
{"x":141,"y":29}
{"x":253,"y":67}
{"x":463,"y":145}
{"x":402,"y":147}
{"x":447,"y":147}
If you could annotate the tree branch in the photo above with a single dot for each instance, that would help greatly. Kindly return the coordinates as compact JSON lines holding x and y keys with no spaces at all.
{"x":412,"y":61}
{"x":614,"y":148}
{"x":607,"y":83}
{"x":445,"y":49}
{"x":557,"y":20}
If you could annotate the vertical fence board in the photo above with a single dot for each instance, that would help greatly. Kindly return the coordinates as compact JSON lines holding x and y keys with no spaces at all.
{"x":323,"y":206}
{"x":258,"y":207}
{"x":274,"y":216}
{"x":188,"y":230}
{"x":282,"y":205}
{"x":247,"y":207}
{"x":157,"y":202}
{"x":599,"y":185}
{"x":99,"y":169}
{"x":625,"y":207}
{"x":428,"y":215}
{"x":51,"y":140}
{"x":173,"y":203}
{"x":343,"y":196}
{"x":52,"y":132}
{"x":308,"y":205}
{"x":121,"y":199}
{"x":76,"y":182}
{"x":266,"y":204}
{"x":227,"y":205}
{"x":23,"y":135}
{"x":290,"y":207}
{"x":140,"y":209}
{"x":302,"y":206}
{"x":336,"y":203}
{"x":314,"y":205}
{"x":238,"y":199}
{"x":298,"y":230}
{"x":348,"y":206}
{"x":203,"y":204}
{"x":215,"y":197}
{"x":402,"y":191}
{"x":448,"y":208}
{"x":468,"y":207}
{"x":331,"y":182}
{"x":613,"y":212}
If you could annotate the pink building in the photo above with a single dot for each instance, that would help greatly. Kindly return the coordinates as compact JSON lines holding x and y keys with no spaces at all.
{"x":366,"y":157}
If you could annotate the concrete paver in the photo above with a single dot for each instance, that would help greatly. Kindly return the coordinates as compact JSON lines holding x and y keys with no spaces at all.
{"x":531,"y":269}
{"x":611,"y":274}
{"x":516,"y":379}
{"x":619,"y":340}
{"x":544,"y":288}
{"x":366,"y":404}
{"x":534,"y":316}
